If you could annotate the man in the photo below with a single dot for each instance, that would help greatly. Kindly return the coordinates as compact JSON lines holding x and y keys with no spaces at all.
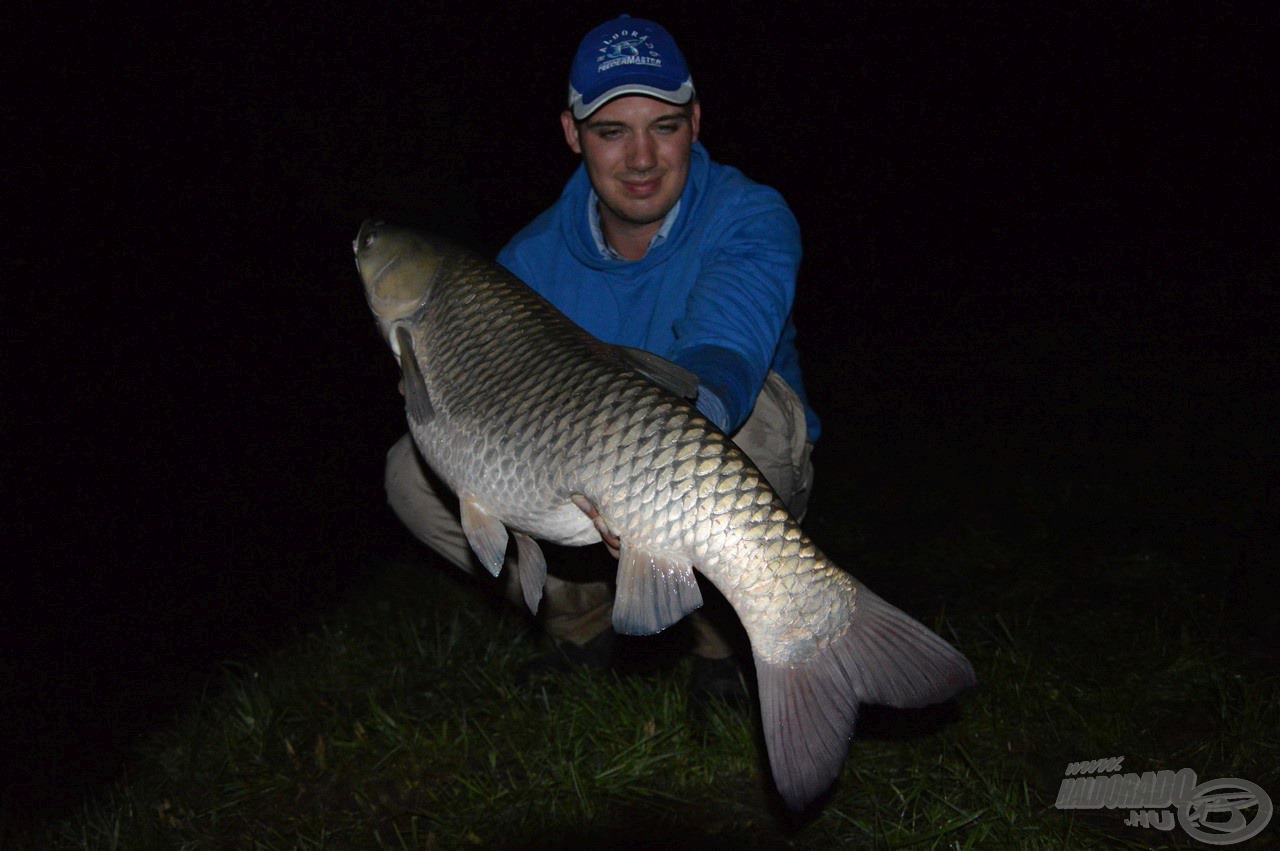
{"x":653,"y":245}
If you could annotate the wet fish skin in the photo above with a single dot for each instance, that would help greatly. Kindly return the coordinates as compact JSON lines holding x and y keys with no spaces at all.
{"x":534,"y":423}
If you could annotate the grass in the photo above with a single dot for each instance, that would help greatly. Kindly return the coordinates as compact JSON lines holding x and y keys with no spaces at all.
{"x":395,"y":722}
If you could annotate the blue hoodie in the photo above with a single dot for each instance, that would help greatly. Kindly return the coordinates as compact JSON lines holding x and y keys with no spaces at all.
{"x":714,"y":297}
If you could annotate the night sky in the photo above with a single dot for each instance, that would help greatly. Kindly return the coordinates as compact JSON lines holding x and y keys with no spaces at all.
{"x":1031,"y":237}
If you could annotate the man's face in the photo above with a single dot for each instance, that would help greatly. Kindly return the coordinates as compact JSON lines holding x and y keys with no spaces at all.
{"x":637,"y":153}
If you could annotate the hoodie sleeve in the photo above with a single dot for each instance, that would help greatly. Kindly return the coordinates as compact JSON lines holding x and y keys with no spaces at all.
{"x":739,"y":305}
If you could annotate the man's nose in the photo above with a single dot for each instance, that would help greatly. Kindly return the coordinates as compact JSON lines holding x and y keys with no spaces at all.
{"x":641,"y":156}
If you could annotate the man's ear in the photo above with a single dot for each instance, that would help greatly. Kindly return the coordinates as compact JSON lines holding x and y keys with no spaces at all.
{"x":695,"y":119}
{"x":570,"y":132}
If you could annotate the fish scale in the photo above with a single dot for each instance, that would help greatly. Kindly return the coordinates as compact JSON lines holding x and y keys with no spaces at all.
{"x":545,"y":432}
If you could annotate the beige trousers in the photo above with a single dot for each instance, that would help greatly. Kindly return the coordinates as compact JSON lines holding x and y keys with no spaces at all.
{"x":775,"y":438}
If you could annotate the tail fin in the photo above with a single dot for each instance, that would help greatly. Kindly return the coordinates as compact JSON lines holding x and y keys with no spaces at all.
{"x":809,"y":710}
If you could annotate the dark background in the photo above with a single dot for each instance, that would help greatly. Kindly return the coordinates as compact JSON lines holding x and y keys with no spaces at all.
{"x":1039,"y":243}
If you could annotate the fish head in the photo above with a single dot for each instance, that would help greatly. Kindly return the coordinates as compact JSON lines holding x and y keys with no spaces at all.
{"x":398,"y":267}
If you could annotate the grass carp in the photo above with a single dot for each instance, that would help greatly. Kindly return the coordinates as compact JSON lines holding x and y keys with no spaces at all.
{"x":545,"y":432}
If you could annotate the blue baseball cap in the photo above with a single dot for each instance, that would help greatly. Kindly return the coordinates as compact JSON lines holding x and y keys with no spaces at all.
{"x":627,"y":56}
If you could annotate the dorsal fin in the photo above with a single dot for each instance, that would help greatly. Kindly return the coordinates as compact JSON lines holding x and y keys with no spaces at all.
{"x":661,"y":371}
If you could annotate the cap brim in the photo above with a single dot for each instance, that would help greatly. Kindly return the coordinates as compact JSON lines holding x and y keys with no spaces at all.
{"x":582,"y":108}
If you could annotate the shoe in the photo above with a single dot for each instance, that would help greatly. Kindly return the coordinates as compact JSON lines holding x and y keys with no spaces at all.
{"x":716,"y":680}
{"x":596,"y":654}
{"x":566,"y":657}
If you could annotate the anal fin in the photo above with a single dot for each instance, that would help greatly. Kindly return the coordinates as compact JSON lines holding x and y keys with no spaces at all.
{"x":654,"y":591}
{"x":485,"y":533}
{"x":532,"y":566}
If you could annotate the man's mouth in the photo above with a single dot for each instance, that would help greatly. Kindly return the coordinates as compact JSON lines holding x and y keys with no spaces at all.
{"x":641,"y":188}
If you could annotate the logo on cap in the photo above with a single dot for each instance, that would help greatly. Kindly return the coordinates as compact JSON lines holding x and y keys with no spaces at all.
{"x":624,"y":49}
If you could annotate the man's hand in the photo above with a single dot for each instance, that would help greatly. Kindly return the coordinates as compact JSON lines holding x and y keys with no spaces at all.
{"x":611,"y":541}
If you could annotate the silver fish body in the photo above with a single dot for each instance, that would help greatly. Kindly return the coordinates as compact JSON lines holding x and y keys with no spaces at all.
{"x":545,"y":432}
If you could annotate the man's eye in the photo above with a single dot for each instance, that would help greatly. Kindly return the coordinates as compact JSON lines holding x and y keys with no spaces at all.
{"x":668,"y":128}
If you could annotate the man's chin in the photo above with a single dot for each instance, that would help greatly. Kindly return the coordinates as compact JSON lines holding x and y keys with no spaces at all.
{"x":639,"y":215}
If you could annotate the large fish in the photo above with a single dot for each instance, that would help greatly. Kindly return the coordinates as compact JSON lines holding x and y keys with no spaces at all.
{"x":545,"y":431}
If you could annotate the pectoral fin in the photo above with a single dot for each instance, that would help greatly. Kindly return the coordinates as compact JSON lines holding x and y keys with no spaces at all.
{"x":532,"y":565}
{"x":653,"y":592}
{"x":485,"y":533}
{"x":417,"y":401}
{"x":661,"y":371}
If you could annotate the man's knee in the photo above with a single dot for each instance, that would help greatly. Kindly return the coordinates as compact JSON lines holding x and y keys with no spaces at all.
{"x":776,"y":439}
{"x":403,"y":477}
